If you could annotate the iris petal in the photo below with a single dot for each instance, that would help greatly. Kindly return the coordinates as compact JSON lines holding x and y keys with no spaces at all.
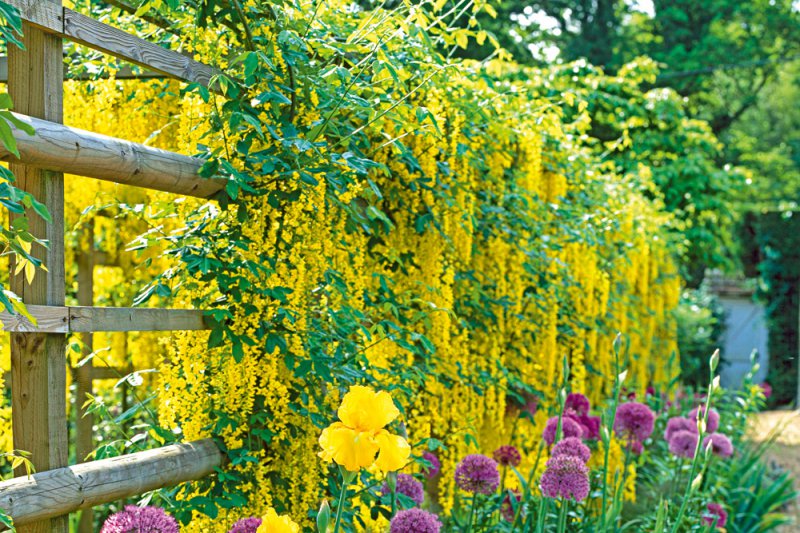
{"x":394,"y":451}
{"x":352,"y":449}
{"x":365,"y":410}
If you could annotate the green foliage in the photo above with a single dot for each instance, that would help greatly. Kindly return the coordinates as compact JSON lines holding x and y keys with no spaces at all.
{"x":700,"y":319}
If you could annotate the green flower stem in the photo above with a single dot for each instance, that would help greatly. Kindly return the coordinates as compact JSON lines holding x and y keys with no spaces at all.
{"x":609,"y":425}
{"x":526,"y":493}
{"x":562,"y":515}
{"x":542,"y":513}
{"x":472,"y":512}
{"x":347,"y":477}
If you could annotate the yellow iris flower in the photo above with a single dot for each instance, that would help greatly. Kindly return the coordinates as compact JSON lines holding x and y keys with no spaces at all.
{"x":355,"y":442}
{"x":273,"y":523}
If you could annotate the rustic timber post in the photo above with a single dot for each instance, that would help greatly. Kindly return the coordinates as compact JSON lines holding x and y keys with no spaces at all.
{"x":84,"y":421}
{"x":38,"y":360}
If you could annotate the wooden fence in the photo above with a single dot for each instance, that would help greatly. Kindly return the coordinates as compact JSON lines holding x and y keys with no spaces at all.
{"x":41,"y":503}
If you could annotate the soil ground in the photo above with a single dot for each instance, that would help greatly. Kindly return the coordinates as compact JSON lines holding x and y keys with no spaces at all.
{"x":786,"y":451}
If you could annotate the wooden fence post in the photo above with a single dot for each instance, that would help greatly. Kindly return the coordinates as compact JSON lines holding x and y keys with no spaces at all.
{"x":84,"y":421}
{"x":38,"y":360}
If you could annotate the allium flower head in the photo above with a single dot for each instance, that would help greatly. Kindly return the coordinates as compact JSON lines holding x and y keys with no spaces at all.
{"x":246,"y":525}
{"x":577,"y":403}
{"x":408,"y":486}
{"x":565,"y":477}
{"x":590,"y":426}
{"x":274,"y":523}
{"x":766,"y":389}
{"x":432,"y":470}
{"x":634,"y":421}
{"x":569,"y":428}
{"x":712,"y":424}
{"x":477,"y":474}
{"x":715,"y":512}
{"x":135,"y":519}
{"x":683,"y":444}
{"x":635,"y":446}
{"x":721,"y":445}
{"x":415,"y":521}
{"x":574,"y":447}
{"x":507,"y":456}
{"x":359,"y":440}
{"x":679,"y":423}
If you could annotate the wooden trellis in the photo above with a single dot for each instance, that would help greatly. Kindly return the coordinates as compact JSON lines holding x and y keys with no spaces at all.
{"x":42,"y":502}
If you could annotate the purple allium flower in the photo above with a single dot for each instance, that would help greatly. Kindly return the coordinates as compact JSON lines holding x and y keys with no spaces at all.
{"x":507,"y":508}
{"x":766,"y":389}
{"x":569,"y":428}
{"x":713,"y":418}
{"x":683,"y":444}
{"x":507,"y":456}
{"x":408,"y":486}
{"x":590,"y":426}
{"x":432,"y":470}
{"x":635,"y":447}
{"x":415,"y":521}
{"x":135,"y":519}
{"x":679,"y":423}
{"x":716,"y":513}
{"x":565,"y":477}
{"x":572,"y":446}
{"x":577,"y":403}
{"x":246,"y":525}
{"x":721,"y":445}
{"x":651,"y":391}
{"x":477,"y":474}
{"x":634,"y":421}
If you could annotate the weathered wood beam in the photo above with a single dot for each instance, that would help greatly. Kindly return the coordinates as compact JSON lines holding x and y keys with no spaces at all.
{"x":110,"y":372}
{"x":124,"y":73}
{"x":112,"y":41}
{"x":38,"y":372}
{"x":69,"y":150}
{"x":55,"y":319}
{"x":57,"y":492}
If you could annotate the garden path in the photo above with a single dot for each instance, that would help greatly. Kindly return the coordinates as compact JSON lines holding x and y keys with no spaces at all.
{"x":786,"y":450}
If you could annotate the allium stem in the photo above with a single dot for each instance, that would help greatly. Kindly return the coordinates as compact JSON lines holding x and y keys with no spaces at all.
{"x":542,"y":513}
{"x":562,"y":515}
{"x":609,"y":426}
{"x":472,"y":512}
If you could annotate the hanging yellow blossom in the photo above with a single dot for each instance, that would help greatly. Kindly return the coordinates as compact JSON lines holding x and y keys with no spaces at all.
{"x":355,"y":441}
{"x":274,"y":523}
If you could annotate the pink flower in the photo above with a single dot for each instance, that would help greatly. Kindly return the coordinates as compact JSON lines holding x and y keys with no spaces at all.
{"x":712,"y":424}
{"x":574,"y":447}
{"x":507,"y":456}
{"x":577,"y":404}
{"x":435,"y":466}
{"x":246,"y":525}
{"x":683,"y":444}
{"x":565,"y":477}
{"x":510,"y":502}
{"x":679,"y":423}
{"x":766,"y":389}
{"x":634,"y":421}
{"x":721,"y":445}
{"x":715,"y":515}
{"x":135,"y":519}
{"x":569,"y":428}
{"x":477,"y":474}
{"x":415,"y":521}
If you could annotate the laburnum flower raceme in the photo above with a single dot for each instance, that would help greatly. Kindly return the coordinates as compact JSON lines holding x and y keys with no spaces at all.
{"x":359,"y":440}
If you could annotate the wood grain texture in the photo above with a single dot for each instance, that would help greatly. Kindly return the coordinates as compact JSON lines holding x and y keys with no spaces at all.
{"x":56,"y":492}
{"x":124,"y":73}
{"x":38,"y":363}
{"x":82,"y":319}
{"x":115,"y":42}
{"x":60,"y":319}
{"x":84,"y":419}
{"x":73,"y":151}
{"x":50,"y":17}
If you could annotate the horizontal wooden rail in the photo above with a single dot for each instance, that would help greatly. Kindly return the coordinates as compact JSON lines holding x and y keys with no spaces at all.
{"x":53,"y":319}
{"x":113,"y":41}
{"x":123,"y":73}
{"x":57,"y":492}
{"x":72,"y":151}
